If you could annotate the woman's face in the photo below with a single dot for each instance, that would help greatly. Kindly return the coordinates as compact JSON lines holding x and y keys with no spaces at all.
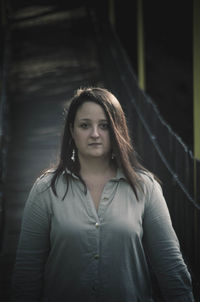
{"x":91,"y":132}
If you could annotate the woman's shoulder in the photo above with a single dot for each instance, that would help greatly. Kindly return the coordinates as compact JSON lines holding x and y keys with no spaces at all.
{"x":43,"y":181}
{"x":148,"y":180}
{"x":40,"y":191}
{"x":145,"y":176}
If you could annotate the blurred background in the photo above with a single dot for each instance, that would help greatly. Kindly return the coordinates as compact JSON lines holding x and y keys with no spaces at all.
{"x":168,"y":55}
{"x":168,"y":48}
{"x":147,"y":53}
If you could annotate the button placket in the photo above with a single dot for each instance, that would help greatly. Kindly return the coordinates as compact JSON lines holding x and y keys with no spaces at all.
{"x":97,"y":225}
{"x":103,"y":201}
{"x":96,"y":257}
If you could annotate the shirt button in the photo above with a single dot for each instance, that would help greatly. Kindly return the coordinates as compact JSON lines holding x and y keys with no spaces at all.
{"x":96,"y":256}
{"x":94,"y":287}
{"x":96,"y":224}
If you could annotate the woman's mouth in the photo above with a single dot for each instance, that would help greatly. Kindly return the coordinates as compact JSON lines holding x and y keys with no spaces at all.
{"x":95,"y":144}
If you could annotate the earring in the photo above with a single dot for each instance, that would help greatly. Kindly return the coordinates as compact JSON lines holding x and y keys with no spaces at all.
{"x":73,"y":156}
{"x":112,"y":156}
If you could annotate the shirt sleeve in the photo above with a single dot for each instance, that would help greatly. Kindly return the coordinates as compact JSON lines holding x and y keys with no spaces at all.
{"x":33,"y":248}
{"x":163,"y":250}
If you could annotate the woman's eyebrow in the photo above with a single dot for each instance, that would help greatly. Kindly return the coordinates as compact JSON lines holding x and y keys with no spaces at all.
{"x":88,"y":120}
{"x":85,"y":119}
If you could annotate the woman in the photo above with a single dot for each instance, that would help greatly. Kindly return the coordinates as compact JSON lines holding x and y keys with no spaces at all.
{"x":92,"y":226}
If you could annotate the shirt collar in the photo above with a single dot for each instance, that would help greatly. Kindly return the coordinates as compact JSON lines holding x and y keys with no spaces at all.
{"x":119,"y":175}
{"x":70,"y":173}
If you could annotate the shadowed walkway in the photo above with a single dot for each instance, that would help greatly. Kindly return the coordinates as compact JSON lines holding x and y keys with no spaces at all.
{"x":52,"y":54}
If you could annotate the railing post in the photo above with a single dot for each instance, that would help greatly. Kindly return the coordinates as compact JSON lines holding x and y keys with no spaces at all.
{"x":140,"y":45}
{"x":196,"y":86}
{"x":196,"y":110}
{"x":196,"y":75}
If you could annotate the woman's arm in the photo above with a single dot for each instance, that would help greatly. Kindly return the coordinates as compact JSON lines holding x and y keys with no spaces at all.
{"x":33,"y":248}
{"x":163,"y":249}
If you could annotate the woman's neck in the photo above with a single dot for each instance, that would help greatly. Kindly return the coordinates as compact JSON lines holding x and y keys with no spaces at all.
{"x":96,"y":167}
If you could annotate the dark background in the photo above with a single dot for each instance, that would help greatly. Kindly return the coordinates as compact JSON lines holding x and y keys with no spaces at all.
{"x":168,"y":31}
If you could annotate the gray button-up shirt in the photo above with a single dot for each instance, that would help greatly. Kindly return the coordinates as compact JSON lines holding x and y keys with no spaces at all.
{"x":70,"y":252}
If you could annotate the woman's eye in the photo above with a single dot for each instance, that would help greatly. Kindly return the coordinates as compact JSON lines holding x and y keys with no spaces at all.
{"x":104,"y":126}
{"x":84,"y":125}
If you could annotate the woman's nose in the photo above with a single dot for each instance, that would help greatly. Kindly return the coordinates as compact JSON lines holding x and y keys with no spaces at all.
{"x":95,"y":132}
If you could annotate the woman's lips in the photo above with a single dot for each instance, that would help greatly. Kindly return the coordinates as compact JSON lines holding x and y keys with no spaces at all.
{"x":94,"y":144}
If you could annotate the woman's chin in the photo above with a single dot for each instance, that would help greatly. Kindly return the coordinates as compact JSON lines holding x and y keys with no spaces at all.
{"x":98,"y":155}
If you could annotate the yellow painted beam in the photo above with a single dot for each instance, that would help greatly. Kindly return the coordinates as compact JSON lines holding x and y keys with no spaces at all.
{"x":196,"y":77}
{"x":140,"y":45}
{"x":3,"y":13}
{"x":112,"y":12}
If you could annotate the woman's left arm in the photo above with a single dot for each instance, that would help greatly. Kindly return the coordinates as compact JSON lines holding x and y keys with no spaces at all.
{"x":163,"y":250}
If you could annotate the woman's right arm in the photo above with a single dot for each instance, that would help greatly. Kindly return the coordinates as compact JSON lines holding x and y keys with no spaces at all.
{"x":33,"y":249}
{"x":163,"y":249}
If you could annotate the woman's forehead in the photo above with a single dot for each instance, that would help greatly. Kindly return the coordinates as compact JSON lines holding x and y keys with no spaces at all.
{"x":90,"y":110}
